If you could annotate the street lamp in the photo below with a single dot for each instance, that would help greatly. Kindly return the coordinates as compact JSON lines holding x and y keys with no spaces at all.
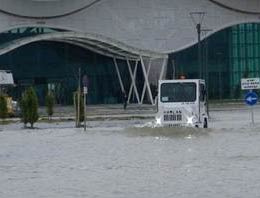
{"x":197,"y":18}
{"x":205,"y":67}
{"x":198,"y":27}
{"x":219,"y":57}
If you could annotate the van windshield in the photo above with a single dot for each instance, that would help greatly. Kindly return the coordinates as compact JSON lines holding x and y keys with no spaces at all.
{"x":178,"y":92}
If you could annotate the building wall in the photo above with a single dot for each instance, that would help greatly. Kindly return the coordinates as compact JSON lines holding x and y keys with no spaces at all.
{"x":158,"y":25}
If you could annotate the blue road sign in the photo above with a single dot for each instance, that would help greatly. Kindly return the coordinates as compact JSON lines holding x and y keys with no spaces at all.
{"x":251,"y":98}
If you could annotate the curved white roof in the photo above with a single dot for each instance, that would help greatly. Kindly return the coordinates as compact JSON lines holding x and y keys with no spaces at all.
{"x":44,"y":8}
{"x":163,"y":26}
{"x":244,"y":6}
{"x":96,"y":43}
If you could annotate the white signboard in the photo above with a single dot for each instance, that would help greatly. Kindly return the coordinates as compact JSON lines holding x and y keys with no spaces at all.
{"x":250,"y":83}
{"x":85,"y":90}
{"x":6,"y":78}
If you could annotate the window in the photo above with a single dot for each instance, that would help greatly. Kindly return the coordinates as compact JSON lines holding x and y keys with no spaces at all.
{"x":178,"y":92}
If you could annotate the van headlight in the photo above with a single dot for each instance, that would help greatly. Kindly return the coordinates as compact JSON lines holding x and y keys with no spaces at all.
{"x":191,"y":120}
{"x":158,"y":120}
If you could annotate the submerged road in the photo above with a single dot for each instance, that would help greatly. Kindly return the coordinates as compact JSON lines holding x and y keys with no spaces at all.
{"x":130,"y":158}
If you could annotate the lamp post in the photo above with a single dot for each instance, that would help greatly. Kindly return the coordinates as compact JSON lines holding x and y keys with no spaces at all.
{"x":197,"y":18}
{"x":219,"y":57}
{"x":78,"y":99}
{"x":205,"y":67}
{"x":85,"y":92}
{"x":198,"y":27}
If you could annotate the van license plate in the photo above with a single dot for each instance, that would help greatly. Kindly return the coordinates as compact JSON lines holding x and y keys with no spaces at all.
{"x":172,"y":117}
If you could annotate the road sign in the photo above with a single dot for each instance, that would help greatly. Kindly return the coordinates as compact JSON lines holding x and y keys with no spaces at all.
{"x":85,"y":81}
{"x":250,"y":83}
{"x":251,"y":98}
{"x":85,"y":90}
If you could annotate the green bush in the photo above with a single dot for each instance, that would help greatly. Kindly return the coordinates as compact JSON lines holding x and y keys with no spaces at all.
{"x":3,"y":107}
{"x":49,"y":103}
{"x":29,"y":107}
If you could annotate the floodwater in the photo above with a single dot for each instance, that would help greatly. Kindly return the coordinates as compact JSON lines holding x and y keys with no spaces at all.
{"x":131,"y":159}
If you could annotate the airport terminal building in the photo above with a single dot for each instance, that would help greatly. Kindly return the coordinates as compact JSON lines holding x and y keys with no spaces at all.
{"x":127,"y":46}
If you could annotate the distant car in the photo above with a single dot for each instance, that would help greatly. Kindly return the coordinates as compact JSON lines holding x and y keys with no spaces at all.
{"x":12,"y":107}
{"x":16,"y":108}
{"x":6,"y":81}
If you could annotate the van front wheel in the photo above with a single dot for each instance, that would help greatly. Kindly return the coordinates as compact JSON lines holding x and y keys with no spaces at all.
{"x":205,"y":125}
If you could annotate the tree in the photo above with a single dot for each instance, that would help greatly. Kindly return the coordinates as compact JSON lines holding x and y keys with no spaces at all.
{"x":29,"y":107}
{"x":49,"y":103}
{"x":3,"y":107}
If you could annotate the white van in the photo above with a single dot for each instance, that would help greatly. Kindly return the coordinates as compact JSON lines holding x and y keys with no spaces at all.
{"x":182,"y":103}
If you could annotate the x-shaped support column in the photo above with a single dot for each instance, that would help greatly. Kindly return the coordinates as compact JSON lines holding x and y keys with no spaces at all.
{"x":145,"y":85}
{"x":146,"y":81}
{"x":165,"y":61}
{"x":119,"y":76}
{"x":133,"y":84}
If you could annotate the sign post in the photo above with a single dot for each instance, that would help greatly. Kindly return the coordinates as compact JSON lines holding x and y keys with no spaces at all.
{"x":251,"y":97}
{"x":252,"y":115}
{"x":85,"y":92}
{"x":78,"y":99}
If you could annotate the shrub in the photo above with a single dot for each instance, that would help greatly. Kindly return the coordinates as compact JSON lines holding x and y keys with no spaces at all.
{"x":29,"y":107}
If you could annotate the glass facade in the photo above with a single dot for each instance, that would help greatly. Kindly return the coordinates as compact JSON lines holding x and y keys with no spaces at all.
{"x":227,"y":56}
{"x":244,"y":54}
{"x":55,"y":65}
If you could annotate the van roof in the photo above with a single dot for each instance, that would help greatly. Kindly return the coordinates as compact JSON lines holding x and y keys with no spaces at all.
{"x":182,"y":80}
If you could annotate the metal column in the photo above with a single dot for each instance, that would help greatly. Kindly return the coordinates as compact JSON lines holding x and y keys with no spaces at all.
{"x":146,"y":81}
{"x":119,"y":76}
{"x":133,"y":83}
{"x":165,"y":61}
{"x":133,"y":79}
{"x":144,"y":87}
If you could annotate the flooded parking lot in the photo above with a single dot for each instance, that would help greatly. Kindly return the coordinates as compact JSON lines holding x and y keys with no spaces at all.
{"x":130,"y":158}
